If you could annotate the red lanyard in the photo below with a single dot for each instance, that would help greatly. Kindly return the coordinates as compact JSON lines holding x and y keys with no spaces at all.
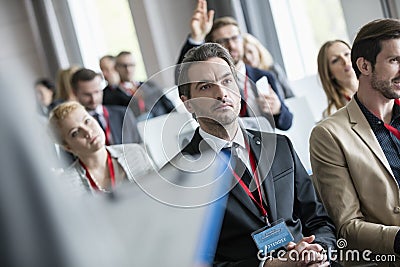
{"x":245,"y":95}
{"x":107,"y":130}
{"x":258,"y":202}
{"x":110,"y":169}
{"x":393,"y":130}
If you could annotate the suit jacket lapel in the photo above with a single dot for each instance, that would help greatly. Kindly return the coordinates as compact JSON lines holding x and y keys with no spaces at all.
{"x":362,"y":128}
{"x":264,"y":151}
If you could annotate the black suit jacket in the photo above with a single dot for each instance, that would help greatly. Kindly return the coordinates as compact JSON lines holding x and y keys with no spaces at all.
{"x":283,"y":120}
{"x":290,"y":195}
{"x":156,"y":103}
{"x":123,"y":133}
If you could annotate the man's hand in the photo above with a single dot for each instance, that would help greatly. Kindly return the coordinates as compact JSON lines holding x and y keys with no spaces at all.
{"x":269,"y":103}
{"x":301,"y":254}
{"x":201,"y":22}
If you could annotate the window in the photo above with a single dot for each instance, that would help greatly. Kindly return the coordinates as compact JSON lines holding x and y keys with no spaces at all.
{"x":302,"y":27}
{"x":105,"y":27}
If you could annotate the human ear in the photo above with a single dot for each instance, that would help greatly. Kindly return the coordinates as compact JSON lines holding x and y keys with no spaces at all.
{"x":186,"y":102}
{"x":364,"y":66}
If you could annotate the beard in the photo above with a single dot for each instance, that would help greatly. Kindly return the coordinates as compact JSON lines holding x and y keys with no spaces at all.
{"x":384,"y":87}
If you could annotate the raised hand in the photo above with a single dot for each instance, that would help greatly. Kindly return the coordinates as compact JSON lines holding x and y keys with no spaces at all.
{"x":201,"y":22}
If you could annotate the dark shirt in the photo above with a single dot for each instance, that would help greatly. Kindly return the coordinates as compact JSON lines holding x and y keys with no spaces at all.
{"x":387,"y":140}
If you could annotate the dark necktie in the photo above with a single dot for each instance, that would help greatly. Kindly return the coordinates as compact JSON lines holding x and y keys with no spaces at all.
{"x":97,"y":117}
{"x":238,"y":165}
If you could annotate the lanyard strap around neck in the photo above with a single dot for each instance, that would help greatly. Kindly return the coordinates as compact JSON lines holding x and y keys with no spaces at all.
{"x":107,"y":128}
{"x":259,"y":202}
{"x":243,"y":110}
{"x":391,"y":129}
{"x":92,"y":182}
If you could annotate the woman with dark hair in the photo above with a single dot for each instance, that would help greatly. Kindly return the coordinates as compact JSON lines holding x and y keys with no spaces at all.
{"x":45,"y":91}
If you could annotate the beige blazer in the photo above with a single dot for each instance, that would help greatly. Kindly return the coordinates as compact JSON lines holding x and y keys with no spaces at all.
{"x":354,"y":180}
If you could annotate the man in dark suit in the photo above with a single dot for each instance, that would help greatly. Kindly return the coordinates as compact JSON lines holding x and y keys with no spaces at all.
{"x":226,"y":31}
{"x":118,"y":122}
{"x":146,"y":99}
{"x":269,"y":181}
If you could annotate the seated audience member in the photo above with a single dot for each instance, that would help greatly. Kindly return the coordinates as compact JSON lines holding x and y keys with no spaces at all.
{"x":337,"y":75}
{"x":257,"y":56}
{"x":45,"y":91}
{"x":355,"y":152}
{"x":286,"y":191}
{"x":147,"y":102}
{"x":118,"y":122}
{"x":111,"y":75}
{"x":225,"y":31}
{"x":98,"y":167}
{"x":63,"y":84}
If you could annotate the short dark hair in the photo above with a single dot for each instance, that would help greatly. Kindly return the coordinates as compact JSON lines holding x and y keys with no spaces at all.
{"x":219,"y":23}
{"x":201,"y":53}
{"x":368,"y":42}
{"x":82,"y":75}
{"x":46,"y":83}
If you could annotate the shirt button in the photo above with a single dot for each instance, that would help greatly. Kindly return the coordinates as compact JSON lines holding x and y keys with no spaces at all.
{"x":396,"y":210}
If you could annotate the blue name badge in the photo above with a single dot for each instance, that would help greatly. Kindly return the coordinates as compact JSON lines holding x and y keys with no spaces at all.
{"x":272,"y":237}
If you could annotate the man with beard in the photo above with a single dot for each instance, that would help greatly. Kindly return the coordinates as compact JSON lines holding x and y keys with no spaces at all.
{"x":269,"y":182}
{"x":355,"y":153}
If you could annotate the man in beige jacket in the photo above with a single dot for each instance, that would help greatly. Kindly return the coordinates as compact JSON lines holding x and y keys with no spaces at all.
{"x":355,"y":153}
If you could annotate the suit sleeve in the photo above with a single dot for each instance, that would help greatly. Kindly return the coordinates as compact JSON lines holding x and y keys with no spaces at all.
{"x":283,"y":120}
{"x":308,"y":207}
{"x":338,"y":193}
{"x":130,"y":132}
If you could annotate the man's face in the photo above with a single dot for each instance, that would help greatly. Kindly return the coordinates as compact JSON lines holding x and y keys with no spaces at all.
{"x":107,"y":67}
{"x":215,"y":96}
{"x":386,"y":74}
{"x":90,"y":93}
{"x":229,"y":37}
{"x":125,"y":66}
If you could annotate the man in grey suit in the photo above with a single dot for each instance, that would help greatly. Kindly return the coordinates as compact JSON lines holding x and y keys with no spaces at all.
{"x":118,"y":122}
{"x":269,"y":182}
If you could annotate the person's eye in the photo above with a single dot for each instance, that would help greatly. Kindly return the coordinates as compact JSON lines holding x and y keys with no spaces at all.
{"x":334,"y":60}
{"x":74,"y":134}
{"x":205,"y":86}
{"x":394,"y":60}
{"x":227,"y":81}
{"x":347,"y":54}
{"x":88,"y":120}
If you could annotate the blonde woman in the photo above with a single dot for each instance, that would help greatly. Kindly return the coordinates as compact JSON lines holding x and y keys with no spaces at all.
{"x":63,"y":84}
{"x":257,"y":56}
{"x":98,"y":168}
{"x":336,"y":73}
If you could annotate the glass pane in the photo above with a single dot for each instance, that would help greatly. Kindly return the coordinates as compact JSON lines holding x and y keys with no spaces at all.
{"x":105,"y":27}
{"x":302,"y":27}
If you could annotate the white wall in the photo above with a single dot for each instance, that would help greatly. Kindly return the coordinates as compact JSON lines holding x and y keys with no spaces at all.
{"x":359,"y":12}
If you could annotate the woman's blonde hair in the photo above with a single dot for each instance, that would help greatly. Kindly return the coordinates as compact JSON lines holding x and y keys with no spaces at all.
{"x":266,"y":60}
{"x":63,"y":84}
{"x":58,"y":115}
{"x":335,"y":93}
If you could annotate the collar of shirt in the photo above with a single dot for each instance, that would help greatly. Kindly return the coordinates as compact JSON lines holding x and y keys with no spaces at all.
{"x":217,"y":144}
{"x":98,"y":110}
{"x":241,"y":69}
{"x":374,"y":120}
